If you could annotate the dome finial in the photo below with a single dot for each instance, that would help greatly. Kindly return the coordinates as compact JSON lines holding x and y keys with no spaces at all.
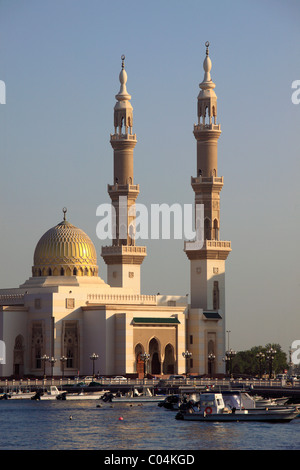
{"x":207,"y":46}
{"x":123,"y":58}
{"x":64,"y":211}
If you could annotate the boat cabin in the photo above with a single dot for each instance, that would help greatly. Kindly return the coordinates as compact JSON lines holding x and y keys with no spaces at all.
{"x":216,"y":403}
{"x":211,"y":403}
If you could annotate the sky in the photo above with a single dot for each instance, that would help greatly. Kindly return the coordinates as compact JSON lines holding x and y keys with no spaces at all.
{"x":60,"y":62}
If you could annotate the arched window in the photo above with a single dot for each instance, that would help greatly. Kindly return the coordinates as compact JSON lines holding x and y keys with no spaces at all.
{"x":207,"y":229}
{"x":216,"y":230}
{"x":62,"y":272}
{"x":169,"y":360}
{"x":216,"y":296}
{"x":154,"y":352}
{"x":139,"y":363}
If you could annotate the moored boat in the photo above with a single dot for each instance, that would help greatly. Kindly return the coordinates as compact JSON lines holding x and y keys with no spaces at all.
{"x":212,"y":407}
{"x":134,"y":396}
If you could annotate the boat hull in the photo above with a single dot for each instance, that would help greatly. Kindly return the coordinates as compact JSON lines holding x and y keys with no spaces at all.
{"x":238,"y":417}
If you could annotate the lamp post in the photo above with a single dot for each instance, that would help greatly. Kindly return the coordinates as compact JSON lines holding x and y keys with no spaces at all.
{"x":270,"y":357}
{"x":187,"y":355}
{"x":211,"y":357}
{"x":44,"y":358}
{"x":93,"y":358}
{"x":63,"y":359}
{"x":260,"y":357}
{"x":52,"y":361}
{"x":145,"y":357}
{"x":230,"y":355}
{"x":225,"y":359}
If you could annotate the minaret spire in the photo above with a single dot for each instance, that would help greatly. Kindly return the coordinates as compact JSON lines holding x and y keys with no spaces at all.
{"x":207,"y":264}
{"x":123,"y":258}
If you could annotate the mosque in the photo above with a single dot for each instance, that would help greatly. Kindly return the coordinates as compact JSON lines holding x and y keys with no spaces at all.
{"x":64,"y":315}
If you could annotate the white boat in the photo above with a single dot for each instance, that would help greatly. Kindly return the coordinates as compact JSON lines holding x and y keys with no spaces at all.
{"x":81,"y":395}
{"x":50,"y":393}
{"x":19,"y":395}
{"x":134,"y":396}
{"x":212,"y":407}
{"x":264,"y":402}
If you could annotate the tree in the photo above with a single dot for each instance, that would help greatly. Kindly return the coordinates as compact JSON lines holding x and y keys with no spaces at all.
{"x":247,"y":363}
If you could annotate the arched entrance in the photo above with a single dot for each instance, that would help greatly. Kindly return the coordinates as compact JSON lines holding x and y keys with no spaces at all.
{"x":19,"y":356}
{"x":154,"y":357}
{"x":139,"y":363}
{"x":169,"y":360}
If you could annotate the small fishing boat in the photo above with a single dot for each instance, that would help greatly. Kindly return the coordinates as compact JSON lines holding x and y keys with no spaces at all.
{"x":211,"y":407}
{"x":19,"y":395}
{"x":81,"y":395}
{"x":134,"y":396}
{"x":50,"y":393}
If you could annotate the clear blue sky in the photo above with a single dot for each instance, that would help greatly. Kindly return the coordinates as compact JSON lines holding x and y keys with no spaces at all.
{"x":60,"y":60}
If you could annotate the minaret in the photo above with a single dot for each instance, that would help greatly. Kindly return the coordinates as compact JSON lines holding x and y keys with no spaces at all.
{"x":123,"y":258}
{"x":207,"y":264}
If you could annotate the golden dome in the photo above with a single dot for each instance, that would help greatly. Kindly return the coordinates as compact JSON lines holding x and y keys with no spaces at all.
{"x":65,"y":250}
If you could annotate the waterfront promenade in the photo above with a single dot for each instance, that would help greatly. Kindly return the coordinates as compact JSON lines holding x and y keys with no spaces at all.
{"x":265,"y":387}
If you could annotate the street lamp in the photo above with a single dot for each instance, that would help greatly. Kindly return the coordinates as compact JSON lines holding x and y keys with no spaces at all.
{"x":211,"y":357}
{"x":260,"y":357}
{"x":145,"y":357}
{"x":63,"y":359}
{"x":44,"y":358}
{"x":230,"y":355}
{"x":187,"y":355}
{"x":52,"y":361}
{"x":270,"y":357}
{"x":93,"y":358}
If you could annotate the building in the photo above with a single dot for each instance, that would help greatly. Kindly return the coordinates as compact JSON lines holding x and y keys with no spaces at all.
{"x":65,"y":312}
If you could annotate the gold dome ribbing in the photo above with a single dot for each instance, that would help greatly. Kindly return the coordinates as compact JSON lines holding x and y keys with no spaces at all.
{"x":65,"y":250}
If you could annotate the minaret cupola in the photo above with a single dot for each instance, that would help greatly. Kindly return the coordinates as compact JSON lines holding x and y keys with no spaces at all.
{"x":123,"y":114}
{"x":207,"y":99}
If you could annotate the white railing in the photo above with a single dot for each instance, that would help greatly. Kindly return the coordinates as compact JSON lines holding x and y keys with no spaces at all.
{"x":14,"y":384}
{"x":128,"y":298}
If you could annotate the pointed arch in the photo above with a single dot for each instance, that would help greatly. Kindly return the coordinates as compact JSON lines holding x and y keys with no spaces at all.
{"x":216,"y":229}
{"x":169,"y":359}
{"x":155,"y":356}
{"x":207,"y":229}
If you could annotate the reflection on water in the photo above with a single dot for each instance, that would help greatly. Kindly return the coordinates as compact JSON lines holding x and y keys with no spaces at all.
{"x":82,"y":425}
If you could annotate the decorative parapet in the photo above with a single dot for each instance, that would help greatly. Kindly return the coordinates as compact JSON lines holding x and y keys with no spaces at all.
{"x":12,"y":299}
{"x":124,"y":250}
{"x":217,"y":244}
{"x":211,"y":249}
{"x":123,"y":254}
{"x":122,"y":137}
{"x":123,"y":187}
{"x":207,"y":179}
{"x":122,"y":298}
{"x":204,"y":127}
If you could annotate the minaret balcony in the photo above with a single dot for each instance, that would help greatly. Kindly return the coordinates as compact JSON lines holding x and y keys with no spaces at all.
{"x":211,"y":249}
{"x":207,"y":180}
{"x":123,"y":254}
{"x":205,"y":127}
{"x":124,"y":250}
{"x":123,"y":187}
{"x":114,"y":137}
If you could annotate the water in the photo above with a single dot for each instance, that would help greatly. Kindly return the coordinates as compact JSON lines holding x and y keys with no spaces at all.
{"x":41,"y":425}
